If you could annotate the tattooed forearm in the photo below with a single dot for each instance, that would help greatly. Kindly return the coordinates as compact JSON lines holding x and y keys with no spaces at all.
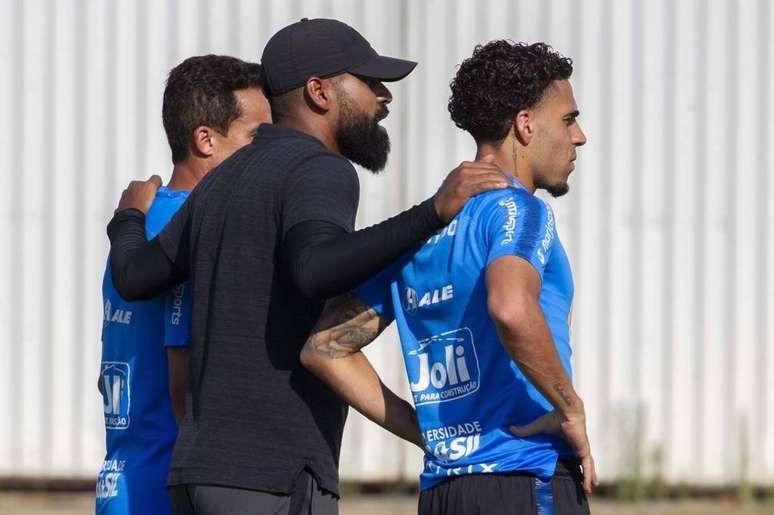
{"x":341,"y":341}
{"x":560,"y":390}
{"x":346,"y":326}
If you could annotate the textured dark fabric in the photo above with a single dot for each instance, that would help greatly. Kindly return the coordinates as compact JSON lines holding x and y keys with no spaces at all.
{"x":569,"y":497}
{"x":507,"y":494}
{"x":219,"y":500}
{"x":254,"y":416}
{"x":315,"y":248}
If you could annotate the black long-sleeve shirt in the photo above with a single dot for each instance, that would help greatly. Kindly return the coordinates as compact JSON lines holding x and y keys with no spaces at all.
{"x":264,"y":238}
{"x":324,"y":259}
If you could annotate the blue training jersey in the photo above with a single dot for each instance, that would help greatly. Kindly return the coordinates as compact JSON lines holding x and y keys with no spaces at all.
{"x":465,"y":387}
{"x":140,"y":424}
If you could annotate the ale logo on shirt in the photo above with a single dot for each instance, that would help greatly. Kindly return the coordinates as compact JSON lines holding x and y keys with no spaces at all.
{"x":118,"y":316}
{"x":446,"y":367}
{"x":412,"y":301}
{"x":116,"y":394}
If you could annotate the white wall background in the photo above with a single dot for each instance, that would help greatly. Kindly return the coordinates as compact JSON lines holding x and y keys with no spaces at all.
{"x":669,"y":224}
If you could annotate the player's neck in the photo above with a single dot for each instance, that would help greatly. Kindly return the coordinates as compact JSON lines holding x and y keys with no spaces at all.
{"x":186,"y":175}
{"x":509,"y":160}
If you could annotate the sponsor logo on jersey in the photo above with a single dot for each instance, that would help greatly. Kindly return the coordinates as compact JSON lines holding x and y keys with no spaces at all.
{"x":456,"y":448}
{"x":107,"y":485}
{"x":116,"y":394}
{"x":177,"y":304}
{"x":444,"y":367}
{"x":478,"y":468}
{"x":510,"y":224}
{"x":109,"y":478}
{"x":117,"y":316}
{"x":548,"y":237}
{"x":449,"y":230}
{"x":454,"y":442}
{"x":429,"y":298}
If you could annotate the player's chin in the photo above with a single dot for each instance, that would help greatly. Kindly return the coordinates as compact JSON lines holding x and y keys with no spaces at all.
{"x":558,"y":189}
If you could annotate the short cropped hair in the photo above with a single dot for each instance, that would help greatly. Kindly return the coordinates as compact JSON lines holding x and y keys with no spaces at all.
{"x":500,"y":79}
{"x":199,"y":92}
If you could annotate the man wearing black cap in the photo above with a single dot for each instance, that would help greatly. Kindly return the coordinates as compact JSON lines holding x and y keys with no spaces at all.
{"x":265,"y":240}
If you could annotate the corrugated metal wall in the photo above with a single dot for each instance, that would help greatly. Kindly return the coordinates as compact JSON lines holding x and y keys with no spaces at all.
{"x":669,"y":223}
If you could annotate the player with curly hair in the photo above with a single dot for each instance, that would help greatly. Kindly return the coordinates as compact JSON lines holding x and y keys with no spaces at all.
{"x":483,"y":310}
{"x":500,"y":86}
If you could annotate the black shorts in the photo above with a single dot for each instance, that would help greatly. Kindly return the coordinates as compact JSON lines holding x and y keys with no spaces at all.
{"x":508,"y":494}
{"x":308,"y":499}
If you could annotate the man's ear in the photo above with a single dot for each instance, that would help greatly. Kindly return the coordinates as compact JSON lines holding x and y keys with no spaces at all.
{"x":202,"y":141}
{"x":317,"y":93}
{"x":524,"y":126}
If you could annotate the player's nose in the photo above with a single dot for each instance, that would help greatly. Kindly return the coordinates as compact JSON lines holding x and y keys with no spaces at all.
{"x":383,"y":94}
{"x":578,"y":136}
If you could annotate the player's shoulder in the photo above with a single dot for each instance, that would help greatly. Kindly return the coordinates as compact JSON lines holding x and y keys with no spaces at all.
{"x":167,"y":195}
{"x":164,"y":206}
{"x":167,"y":200}
{"x":512,"y":200}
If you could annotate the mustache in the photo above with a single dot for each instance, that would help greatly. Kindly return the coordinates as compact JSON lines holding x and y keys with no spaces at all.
{"x":382,"y":114}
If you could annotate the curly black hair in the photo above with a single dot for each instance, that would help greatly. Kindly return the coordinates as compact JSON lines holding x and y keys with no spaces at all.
{"x":500,"y":79}
{"x":199,"y":91}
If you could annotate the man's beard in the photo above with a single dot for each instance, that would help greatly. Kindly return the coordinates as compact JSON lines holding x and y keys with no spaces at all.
{"x":556,"y":189}
{"x":361,"y":139}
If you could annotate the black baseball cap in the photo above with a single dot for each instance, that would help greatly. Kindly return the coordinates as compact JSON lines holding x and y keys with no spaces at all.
{"x":324,"y":48}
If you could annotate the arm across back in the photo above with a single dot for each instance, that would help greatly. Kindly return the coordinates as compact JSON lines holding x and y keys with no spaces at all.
{"x":325,"y":257}
{"x":326,"y":260}
{"x":142,"y":269}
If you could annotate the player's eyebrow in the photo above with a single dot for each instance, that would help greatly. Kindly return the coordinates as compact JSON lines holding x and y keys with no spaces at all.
{"x":573,"y":114}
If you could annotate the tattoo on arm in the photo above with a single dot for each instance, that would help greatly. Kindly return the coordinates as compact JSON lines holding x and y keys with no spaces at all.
{"x":566,"y":398}
{"x":346,"y":326}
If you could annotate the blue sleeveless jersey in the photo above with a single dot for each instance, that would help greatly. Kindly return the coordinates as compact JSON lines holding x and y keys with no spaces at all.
{"x":140,"y":424}
{"x":465,"y":387}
